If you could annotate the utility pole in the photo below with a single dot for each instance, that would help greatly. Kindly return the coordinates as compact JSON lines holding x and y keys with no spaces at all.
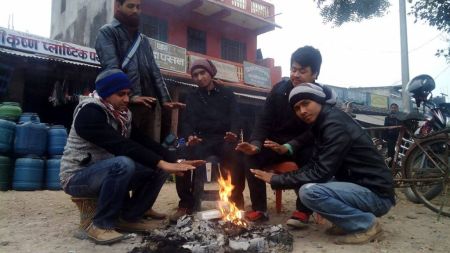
{"x":404,"y":55}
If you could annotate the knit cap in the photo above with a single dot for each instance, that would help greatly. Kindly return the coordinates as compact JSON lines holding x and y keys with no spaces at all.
{"x":307,"y":91}
{"x":111,"y":81}
{"x":204,"y":64}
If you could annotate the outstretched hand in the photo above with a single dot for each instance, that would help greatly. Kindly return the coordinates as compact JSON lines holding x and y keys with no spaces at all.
{"x":280,"y":149}
{"x":174,"y":167}
{"x":263,"y":175}
{"x":247,"y":148}
{"x":143,"y":100}
{"x":174,"y":105}
{"x":230,"y":137}
{"x":193,"y":140}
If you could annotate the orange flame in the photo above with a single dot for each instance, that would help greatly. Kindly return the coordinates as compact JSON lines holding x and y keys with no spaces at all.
{"x":228,"y":208}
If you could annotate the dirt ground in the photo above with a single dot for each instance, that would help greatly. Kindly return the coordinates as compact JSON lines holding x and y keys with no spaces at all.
{"x":45,"y":221}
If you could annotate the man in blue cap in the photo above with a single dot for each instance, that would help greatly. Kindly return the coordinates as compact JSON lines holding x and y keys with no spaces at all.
{"x":105,"y":159}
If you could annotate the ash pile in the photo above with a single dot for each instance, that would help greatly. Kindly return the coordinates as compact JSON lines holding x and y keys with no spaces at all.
{"x":203,"y":236}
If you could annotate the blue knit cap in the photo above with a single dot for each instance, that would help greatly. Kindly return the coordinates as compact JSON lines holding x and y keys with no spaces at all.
{"x":111,"y":81}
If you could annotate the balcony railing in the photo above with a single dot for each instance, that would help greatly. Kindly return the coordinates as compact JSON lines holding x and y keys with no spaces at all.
{"x":259,"y":8}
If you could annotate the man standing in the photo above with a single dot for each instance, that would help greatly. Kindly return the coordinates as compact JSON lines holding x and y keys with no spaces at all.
{"x":104,"y":159}
{"x":120,"y":45}
{"x":211,"y":125}
{"x":346,"y":180}
{"x":391,"y":135}
{"x":275,"y":136}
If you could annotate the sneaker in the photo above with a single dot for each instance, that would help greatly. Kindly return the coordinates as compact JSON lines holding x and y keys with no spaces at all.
{"x":369,"y":235}
{"x":154,"y":215}
{"x":335,"y":230}
{"x":298,"y":220}
{"x":173,"y":218}
{"x":103,"y":236}
{"x":256,"y":216}
{"x":141,"y":225}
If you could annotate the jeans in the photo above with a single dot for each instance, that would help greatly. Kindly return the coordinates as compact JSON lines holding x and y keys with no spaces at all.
{"x":111,"y":181}
{"x":349,"y":206}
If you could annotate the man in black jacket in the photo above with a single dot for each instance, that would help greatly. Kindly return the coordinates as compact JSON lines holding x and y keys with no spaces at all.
{"x":114,"y":43}
{"x":211,"y":125}
{"x":391,"y":135}
{"x":346,"y":180}
{"x":275,"y":136}
{"x":105,"y":159}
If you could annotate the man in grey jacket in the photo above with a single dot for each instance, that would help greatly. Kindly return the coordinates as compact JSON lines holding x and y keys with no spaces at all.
{"x":148,"y":90}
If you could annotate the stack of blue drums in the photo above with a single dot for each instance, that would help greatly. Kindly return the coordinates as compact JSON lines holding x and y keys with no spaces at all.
{"x":57,"y":138}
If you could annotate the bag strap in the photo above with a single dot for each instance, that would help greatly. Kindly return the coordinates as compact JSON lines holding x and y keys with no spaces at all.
{"x":132,"y":51}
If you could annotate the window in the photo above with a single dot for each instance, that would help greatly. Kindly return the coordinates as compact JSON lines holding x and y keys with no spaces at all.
{"x":234,"y":51}
{"x":63,"y":6}
{"x":155,"y":28}
{"x":196,"y":40}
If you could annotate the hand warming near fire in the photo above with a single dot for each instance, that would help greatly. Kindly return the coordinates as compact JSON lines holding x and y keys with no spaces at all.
{"x":263,"y":175}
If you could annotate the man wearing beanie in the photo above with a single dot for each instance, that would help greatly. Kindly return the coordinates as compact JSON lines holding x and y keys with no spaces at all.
{"x":105,"y":159}
{"x":114,"y":44}
{"x":211,"y":126}
{"x":276,"y":136}
{"x":346,"y":180}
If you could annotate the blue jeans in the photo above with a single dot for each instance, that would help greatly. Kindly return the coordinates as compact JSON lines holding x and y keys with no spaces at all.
{"x":349,"y":206}
{"x":110,"y":181}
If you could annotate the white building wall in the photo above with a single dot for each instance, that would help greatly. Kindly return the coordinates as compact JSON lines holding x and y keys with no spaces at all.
{"x":80,"y":21}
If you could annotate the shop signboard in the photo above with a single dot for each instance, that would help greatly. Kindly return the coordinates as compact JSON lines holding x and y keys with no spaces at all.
{"x":169,"y":56}
{"x":378,"y":101}
{"x":35,"y":44}
{"x":257,"y":75}
{"x":225,"y":71}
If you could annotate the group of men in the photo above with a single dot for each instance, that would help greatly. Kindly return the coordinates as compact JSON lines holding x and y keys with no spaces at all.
{"x":113,"y":151}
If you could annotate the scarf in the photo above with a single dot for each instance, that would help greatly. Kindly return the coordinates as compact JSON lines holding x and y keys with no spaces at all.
{"x":120,"y":116}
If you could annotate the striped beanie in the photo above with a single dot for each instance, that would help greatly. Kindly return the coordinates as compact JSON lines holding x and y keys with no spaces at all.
{"x":307,"y":91}
{"x":111,"y":81}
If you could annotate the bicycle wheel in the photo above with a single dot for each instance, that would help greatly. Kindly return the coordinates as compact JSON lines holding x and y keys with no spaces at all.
{"x":428,"y":165}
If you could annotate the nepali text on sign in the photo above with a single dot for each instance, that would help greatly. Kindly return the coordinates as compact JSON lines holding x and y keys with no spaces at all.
{"x":257,"y":75}
{"x":35,"y":44}
{"x":169,"y":56}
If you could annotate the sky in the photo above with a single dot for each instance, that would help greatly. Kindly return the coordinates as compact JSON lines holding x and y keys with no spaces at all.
{"x":354,"y":55}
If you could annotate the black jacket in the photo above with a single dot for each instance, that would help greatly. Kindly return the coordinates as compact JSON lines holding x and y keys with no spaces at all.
{"x":112,"y":45}
{"x":343,"y":151}
{"x":278,"y":121}
{"x":211,"y":113}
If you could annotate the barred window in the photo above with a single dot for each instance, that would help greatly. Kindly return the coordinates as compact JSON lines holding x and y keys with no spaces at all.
{"x":234,"y":51}
{"x":155,"y":28}
{"x":196,"y":40}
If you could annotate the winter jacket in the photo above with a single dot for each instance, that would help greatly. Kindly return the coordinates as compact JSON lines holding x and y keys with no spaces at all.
{"x":343,"y":151}
{"x":278,"y":121}
{"x":211,"y":112}
{"x":95,"y":136}
{"x":112,"y":45}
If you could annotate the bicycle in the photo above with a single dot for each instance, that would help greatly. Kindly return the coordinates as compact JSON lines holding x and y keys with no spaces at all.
{"x":421,"y":160}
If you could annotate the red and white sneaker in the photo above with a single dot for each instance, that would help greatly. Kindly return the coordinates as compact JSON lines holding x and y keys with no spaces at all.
{"x":298,"y":220}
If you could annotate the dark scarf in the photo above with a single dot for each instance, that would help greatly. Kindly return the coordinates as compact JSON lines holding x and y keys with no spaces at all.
{"x":131,"y":23}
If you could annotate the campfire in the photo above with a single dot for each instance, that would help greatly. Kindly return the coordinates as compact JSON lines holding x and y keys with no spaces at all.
{"x":215,"y":231}
{"x":228,"y":209}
